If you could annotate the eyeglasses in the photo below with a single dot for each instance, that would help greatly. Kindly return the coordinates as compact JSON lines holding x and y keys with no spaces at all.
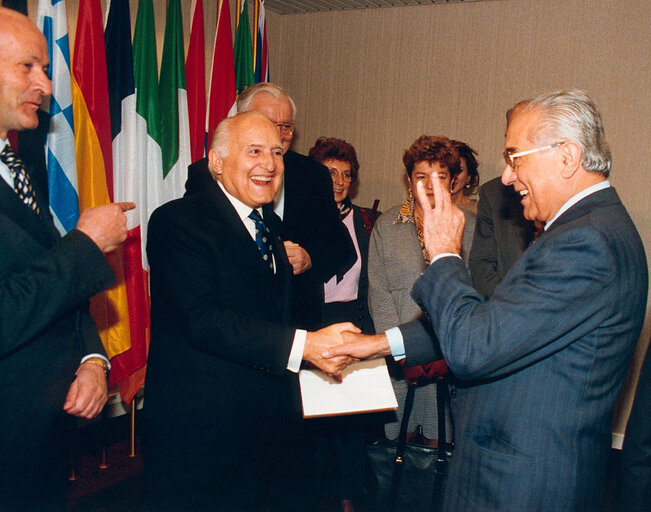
{"x":285,"y":128}
{"x":510,"y":157}
{"x":346,"y":176}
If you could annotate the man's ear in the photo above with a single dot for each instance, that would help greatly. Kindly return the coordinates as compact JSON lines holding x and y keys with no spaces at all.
{"x":215,"y":163}
{"x":570,"y":153}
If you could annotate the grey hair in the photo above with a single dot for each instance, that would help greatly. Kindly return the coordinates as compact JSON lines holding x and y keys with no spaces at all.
{"x":221,"y":136}
{"x":246,"y":97}
{"x":572,"y":116}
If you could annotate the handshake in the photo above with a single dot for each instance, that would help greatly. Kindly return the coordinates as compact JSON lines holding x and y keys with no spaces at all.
{"x":333,"y":348}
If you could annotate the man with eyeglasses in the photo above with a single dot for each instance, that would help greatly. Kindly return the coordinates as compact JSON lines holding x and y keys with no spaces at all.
{"x":539,"y":364}
{"x":317,"y":244}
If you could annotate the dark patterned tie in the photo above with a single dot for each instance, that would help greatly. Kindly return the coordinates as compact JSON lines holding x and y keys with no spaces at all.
{"x":22,"y":186}
{"x":262,"y":238}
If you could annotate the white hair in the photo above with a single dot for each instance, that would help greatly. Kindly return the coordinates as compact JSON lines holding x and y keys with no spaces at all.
{"x":572,"y":116}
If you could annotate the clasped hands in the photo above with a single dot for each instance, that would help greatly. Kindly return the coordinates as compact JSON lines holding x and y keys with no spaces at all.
{"x":341,"y":344}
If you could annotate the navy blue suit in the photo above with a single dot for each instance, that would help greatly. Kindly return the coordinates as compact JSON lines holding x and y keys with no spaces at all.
{"x":218,"y":391}
{"x":540,"y":363}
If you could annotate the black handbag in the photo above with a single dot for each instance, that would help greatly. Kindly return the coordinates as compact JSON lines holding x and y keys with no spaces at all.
{"x":409,"y":477}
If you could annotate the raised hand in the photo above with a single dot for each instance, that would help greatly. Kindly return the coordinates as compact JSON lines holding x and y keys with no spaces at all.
{"x":320,"y":341}
{"x":442,"y":223}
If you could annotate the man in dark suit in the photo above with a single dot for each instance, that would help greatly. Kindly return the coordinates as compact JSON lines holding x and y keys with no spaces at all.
{"x":502,"y":234}
{"x":223,"y":355}
{"x":52,"y":364}
{"x":539,"y":365}
{"x":317,"y":244}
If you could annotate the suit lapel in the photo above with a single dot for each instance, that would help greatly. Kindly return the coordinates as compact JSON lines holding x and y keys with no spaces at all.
{"x":38,"y":226}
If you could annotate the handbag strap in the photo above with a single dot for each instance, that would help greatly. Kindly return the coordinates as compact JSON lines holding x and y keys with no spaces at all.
{"x":369,"y":220}
{"x":401,"y":447}
{"x":441,"y":456}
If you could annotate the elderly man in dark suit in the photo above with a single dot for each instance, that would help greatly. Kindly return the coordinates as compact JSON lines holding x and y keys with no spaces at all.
{"x":539,"y":364}
{"x":223,"y":352}
{"x":501,"y":235}
{"x":52,"y":364}
{"x":317,"y":244}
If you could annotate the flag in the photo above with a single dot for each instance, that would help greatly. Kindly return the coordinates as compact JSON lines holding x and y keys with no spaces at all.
{"x":16,"y":5}
{"x":195,"y":74}
{"x":174,"y":135}
{"x":95,"y":163}
{"x":243,"y":52}
{"x":261,"y":56}
{"x":60,"y":141}
{"x":129,"y":185}
{"x":148,"y":129}
{"x":222,"y":74}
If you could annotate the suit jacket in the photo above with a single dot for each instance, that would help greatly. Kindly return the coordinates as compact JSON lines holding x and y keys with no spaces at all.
{"x":635,"y":476}
{"x":501,"y":235}
{"x":310,"y":219}
{"x":541,"y":362}
{"x":361,"y":316}
{"x":45,"y":330}
{"x":217,"y":384}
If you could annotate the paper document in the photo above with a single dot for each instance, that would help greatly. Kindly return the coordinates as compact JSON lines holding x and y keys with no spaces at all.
{"x":366,"y":388}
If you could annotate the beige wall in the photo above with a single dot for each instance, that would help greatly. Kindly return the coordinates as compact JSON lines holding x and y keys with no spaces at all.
{"x":381,"y":77}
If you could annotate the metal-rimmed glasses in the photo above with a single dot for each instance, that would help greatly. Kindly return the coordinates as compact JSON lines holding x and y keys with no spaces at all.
{"x":285,"y":128}
{"x":510,"y":157}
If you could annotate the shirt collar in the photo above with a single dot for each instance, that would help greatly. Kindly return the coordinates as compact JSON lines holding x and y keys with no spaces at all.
{"x":576,"y":198}
{"x":242,"y":210}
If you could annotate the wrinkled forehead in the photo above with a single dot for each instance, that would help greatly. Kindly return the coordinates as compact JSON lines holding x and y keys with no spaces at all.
{"x":258,"y":131}
{"x":22,"y":40}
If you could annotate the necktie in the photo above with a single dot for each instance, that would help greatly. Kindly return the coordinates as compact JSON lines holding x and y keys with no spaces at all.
{"x":22,"y":186}
{"x":262,"y":238}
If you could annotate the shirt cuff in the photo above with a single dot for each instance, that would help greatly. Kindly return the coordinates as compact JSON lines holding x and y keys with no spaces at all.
{"x":396,"y":343}
{"x":444,"y":255}
{"x":296,"y":354}
{"x":108,"y":363}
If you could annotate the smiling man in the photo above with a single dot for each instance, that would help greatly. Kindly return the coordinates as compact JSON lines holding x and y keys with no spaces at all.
{"x":539,"y":364}
{"x":223,"y":356}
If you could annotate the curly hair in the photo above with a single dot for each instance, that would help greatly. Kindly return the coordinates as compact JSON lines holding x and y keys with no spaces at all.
{"x":431,"y":149}
{"x":326,"y":148}
{"x":468,"y":154}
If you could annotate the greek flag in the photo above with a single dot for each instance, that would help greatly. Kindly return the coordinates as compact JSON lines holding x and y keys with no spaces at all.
{"x":60,"y":142}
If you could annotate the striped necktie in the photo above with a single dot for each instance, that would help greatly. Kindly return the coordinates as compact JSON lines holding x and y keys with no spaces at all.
{"x":262,"y":239}
{"x":22,"y":186}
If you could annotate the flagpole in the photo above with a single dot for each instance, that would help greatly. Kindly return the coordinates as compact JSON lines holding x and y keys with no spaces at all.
{"x":256,"y":14}
{"x":238,"y":6}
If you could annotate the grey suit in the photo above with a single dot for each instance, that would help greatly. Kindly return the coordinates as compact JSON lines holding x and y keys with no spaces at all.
{"x":543,"y":361}
{"x":395,"y":263}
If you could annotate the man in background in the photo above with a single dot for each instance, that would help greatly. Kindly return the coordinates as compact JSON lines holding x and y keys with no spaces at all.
{"x":502,"y":233}
{"x":317,"y":243}
{"x":540,"y":363}
{"x":52,"y":363}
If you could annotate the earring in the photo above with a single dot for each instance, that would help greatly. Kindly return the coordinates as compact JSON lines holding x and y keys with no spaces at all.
{"x":467,"y":185}
{"x":411,"y":193}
